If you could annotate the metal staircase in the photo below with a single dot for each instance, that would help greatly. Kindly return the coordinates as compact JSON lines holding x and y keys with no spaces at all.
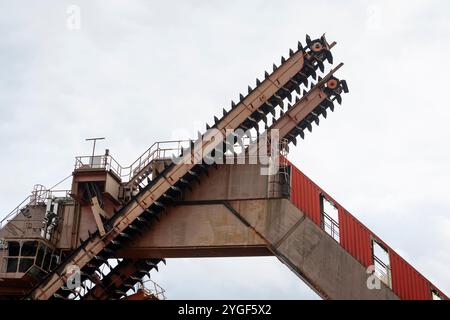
{"x":140,"y":169}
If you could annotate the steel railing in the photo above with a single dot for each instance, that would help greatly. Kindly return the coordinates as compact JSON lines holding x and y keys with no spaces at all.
{"x":153,"y":288}
{"x":38,"y":196}
{"x":106,"y":162}
{"x":382,"y":271}
{"x":159,"y":150}
{"x":330,"y":226}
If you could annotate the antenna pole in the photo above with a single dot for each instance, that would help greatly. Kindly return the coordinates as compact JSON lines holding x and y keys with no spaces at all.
{"x":93,"y":147}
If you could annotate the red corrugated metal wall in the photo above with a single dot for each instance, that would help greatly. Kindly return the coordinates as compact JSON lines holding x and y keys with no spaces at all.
{"x":407,"y":283}
{"x":356,"y":239}
{"x":306,"y":196}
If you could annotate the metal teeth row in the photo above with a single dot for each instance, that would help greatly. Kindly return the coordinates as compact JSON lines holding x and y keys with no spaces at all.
{"x":145,"y":219}
{"x":333,"y":90}
{"x":319,"y":45}
{"x":98,"y":278}
{"x":143,"y":269}
{"x":314,"y":61}
{"x":135,"y":228}
{"x":93,"y":267}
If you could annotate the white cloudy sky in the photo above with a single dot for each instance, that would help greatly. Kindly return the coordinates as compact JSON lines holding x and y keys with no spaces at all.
{"x":141,"y":71}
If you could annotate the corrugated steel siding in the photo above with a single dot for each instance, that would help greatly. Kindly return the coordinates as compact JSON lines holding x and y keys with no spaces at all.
{"x":305,"y":195}
{"x":356,"y":239}
{"x":407,"y":283}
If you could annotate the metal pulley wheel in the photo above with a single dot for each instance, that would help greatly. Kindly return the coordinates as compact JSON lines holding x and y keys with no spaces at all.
{"x":316,"y":46}
{"x":332,"y":83}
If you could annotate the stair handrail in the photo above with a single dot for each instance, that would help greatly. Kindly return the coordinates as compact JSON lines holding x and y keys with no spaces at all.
{"x":154,"y":152}
{"x":14,"y":212}
{"x":135,"y":167}
{"x":38,"y":195}
{"x":127,"y":174}
{"x":153,"y":288}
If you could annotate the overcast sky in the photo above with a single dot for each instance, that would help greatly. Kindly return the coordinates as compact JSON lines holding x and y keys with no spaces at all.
{"x":141,"y":71}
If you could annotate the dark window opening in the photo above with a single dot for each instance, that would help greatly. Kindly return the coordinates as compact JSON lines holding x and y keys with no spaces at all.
{"x":40,"y":255}
{"x":54,"y":261}
{"x":25,"y":264}
{"x":381,"y":262}
{"x":12,"y":265}
{"x":21,"y":256}
{"x":285,"y":180}
{"x":47,"y":259}
{"x":13,"y":249}
{"x":330,"y":218}
{"x":29,"y":248}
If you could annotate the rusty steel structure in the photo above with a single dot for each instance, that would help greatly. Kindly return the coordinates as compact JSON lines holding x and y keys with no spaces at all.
{"x":101,"y":239}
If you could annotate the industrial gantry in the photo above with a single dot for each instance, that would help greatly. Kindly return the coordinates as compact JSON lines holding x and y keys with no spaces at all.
{"x":101,"y":239}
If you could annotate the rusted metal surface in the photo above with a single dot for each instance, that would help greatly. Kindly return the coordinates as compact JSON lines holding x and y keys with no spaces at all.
{"x":142,"y":294}
{"x":131,"y":174}
{"x":147,"y":200}
{"x":137,"y":196}
{"x":113,"y":281}
{"x":148,"y":290}
{"x":303,"y":108}
{"x":356,"y":239}
{"x":231,"y":120}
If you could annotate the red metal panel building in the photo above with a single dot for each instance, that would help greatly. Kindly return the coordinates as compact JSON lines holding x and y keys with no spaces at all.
{"x":356,"y":239}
